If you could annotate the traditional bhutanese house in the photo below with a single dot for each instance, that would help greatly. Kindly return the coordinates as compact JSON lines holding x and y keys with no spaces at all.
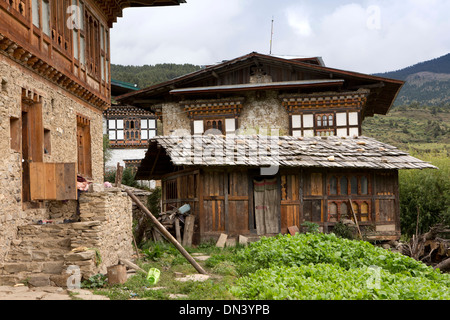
{"x":54,"y":88}
{"x":128,"y":128}
{"x":260,"y":143}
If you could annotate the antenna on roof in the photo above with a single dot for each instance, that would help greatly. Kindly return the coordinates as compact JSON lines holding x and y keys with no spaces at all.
{"x":271,"y":37}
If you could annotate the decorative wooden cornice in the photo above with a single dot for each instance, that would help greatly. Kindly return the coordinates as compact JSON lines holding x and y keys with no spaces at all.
{"x":24,"y":57}
{"x":127,"y":111}
{"x":213,"y":107}
{"x":326,"y":100}
{"x":113,"y":8}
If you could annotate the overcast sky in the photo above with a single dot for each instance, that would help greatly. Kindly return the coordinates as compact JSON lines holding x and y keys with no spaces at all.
{"x":366,"y":36}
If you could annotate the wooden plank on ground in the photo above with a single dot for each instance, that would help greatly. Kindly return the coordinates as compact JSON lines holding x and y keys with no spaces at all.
{"x":293,"y":230}
{"x":222,"y":240}
{"x":188,"y":230}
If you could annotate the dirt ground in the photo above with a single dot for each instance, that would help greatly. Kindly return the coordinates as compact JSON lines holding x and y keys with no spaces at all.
{"x":46,"y":293}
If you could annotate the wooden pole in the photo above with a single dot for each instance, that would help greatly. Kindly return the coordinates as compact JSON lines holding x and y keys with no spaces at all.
{"x":354,"y":216}
{"x":166,"y":233}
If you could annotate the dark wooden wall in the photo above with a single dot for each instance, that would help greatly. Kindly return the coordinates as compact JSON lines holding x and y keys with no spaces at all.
{"x":222,"y":199}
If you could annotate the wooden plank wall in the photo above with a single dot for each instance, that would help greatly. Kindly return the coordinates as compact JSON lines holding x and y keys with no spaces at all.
{"x":225,"y":202}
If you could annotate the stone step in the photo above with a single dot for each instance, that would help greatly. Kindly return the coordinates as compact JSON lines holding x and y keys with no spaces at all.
{"x":35,"y":279}
{"x":50,"y":267}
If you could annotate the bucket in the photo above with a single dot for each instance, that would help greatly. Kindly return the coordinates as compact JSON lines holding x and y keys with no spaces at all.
{"x":153,"y":275}
{"x":184,"y":208}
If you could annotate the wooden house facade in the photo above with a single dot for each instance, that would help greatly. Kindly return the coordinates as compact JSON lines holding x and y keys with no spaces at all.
{"x":260,"y":143}
{"x":54,"y":88}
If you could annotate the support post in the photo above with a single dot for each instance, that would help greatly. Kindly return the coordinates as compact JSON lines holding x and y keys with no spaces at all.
{"x":166,"y":233}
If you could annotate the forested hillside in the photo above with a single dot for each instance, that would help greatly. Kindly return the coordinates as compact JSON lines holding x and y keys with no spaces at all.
{"x":148,"y":75}
{"x":427,"y":83}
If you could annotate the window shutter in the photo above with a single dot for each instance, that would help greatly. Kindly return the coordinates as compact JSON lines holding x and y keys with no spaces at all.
{"x":53,"y":181}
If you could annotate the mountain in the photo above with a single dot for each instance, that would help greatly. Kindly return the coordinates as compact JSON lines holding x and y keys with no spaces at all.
{"x":427,"y":83}
{"x":148,"y":75}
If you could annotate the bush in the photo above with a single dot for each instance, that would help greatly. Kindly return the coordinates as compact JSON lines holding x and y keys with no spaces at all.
{"x":323,"y":266}
{"x":331,"y":282}
{"x":303,"y":249}
{"x":426,"y":191}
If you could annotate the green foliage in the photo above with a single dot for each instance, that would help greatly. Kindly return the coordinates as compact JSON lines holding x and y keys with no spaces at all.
{"x":303,"y":249}
{"x":153,"y":202}
{"x":127,"y":177}
{"x":427,"y":191}
{"x":323,"y":266}
{"x":97,"y":281}
{"x":147,"y":75}
{"x":311,"y":227}
{"x":332,"y":282}
{"x":343,"y":231}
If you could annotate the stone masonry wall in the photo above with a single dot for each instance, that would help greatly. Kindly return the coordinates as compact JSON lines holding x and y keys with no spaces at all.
{"x":59,"y":116}
{"x":112,"y":209}
{"x":264,"y":111}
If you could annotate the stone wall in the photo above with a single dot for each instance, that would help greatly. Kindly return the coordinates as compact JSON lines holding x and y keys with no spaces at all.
{"x":59,"y":117}
{"x":261,"y":111}
{"x":175,"y":121}
{"x":113,"y":237}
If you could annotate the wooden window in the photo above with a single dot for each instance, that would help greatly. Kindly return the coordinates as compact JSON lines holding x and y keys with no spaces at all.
{"x":359,"y":185}
{"x":214,"y":125}
{"x":78,"y":32}
{"x":297,"y":125}
{"x":60,"y":33}
{"x":92,"y":44}
{"x":84,"y":146}
{"x":325,"y":125}
{"x":353,"y":185}
{"x":18,"y":8}
{"x":364,"y":212}
{"x":343,"y":186}
{"x":148,"y":129}
{"x":104,"y":64}
{"x":40,"y":11}
{"x":364,"y":185}
{"x":343,"y":214}
{"x":116,"y":129}
{"x":332,"y":212}
{"x":333,"y":185}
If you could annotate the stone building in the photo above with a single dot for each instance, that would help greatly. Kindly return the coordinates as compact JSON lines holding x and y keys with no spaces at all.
{"x":259,"y":144}
{"x":55,"y":85}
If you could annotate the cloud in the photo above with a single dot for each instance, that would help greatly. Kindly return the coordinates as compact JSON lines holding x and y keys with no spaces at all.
{"x":361,"y":35}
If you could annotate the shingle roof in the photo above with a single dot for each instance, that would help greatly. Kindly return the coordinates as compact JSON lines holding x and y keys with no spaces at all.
{"x":285,"y":151}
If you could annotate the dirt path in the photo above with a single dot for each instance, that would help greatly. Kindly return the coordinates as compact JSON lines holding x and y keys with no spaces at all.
{"x":46,"y":293}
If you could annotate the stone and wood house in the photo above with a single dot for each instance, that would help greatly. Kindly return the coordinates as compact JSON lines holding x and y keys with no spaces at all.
{"x":54,"y":88}
{"x":260,"y":143}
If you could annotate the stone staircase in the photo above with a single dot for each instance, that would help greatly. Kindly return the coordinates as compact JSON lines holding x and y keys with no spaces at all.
{"x":41,"y":254}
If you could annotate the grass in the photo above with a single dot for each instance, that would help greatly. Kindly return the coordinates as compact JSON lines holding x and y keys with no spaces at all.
{"x":169,"y":261}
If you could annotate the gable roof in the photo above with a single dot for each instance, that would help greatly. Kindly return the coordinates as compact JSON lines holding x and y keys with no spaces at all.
{"x":382,"y":96}
{"x":168,"y":152}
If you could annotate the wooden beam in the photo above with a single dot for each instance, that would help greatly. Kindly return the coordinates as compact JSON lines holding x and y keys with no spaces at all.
{"x":166,"y":233}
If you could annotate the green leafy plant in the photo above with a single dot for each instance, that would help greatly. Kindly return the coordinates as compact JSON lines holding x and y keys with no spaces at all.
{"x":311,"y":227}
{"x":97,"y":281}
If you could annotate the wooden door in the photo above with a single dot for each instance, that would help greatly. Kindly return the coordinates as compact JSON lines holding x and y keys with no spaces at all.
{"x":267,"y":206}
{"x":32,"y":142}
{"x":290,"y":202}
